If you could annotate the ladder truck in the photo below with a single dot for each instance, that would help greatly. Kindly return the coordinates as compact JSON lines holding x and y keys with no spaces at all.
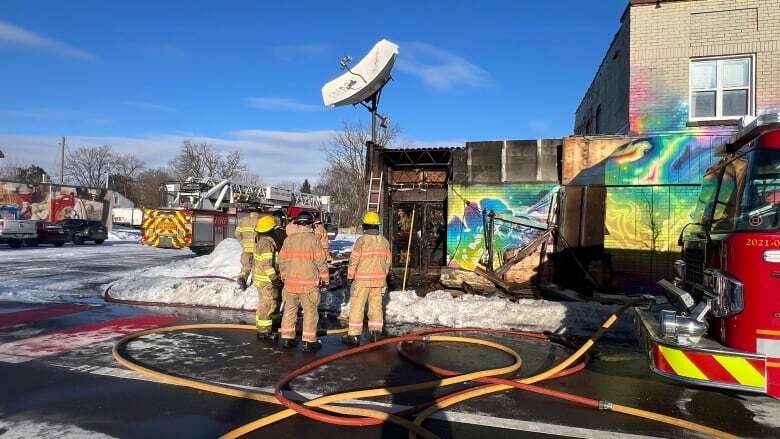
{"x":199,"y":213}
{"x":721,"y":327}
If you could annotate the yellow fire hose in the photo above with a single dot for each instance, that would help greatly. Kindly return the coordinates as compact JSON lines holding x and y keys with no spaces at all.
{"x":413,"y":427}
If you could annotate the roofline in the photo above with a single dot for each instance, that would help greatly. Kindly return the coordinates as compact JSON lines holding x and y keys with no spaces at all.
{"x":652,"y":2}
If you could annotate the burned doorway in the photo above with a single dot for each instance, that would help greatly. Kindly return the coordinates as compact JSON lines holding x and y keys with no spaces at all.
{"x":427,"y":248}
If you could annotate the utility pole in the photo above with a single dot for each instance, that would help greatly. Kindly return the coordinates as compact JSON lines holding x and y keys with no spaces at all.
{"x":62,"y":160}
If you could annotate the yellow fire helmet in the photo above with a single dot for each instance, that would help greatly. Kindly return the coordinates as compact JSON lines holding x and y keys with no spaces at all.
{"x":265,"y":224}
{"x":371,"y":218}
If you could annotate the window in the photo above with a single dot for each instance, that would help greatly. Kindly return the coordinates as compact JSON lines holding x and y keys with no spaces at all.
{"x":721,"y":88}
{"x":726,"y":206}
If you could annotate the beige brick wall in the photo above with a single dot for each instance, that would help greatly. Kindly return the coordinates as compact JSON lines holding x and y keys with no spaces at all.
{"x":663,"y":41}
{"x":604,"y":108}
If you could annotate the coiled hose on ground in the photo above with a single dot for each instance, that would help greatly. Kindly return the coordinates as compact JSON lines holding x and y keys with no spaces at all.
{"x":362,"y":417}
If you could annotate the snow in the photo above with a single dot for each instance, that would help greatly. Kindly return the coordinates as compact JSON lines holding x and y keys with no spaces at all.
{"x":19,"y":427}
{"x":163,"y":284}
{"x":47,"y":273}
{"x":439,"y":308}
{"x":343,"y":243}
{"x":121,"y":233}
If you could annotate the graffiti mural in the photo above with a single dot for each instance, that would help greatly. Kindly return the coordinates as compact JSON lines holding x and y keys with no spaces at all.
{"x":465,"y":230}
{"x":55,"y":202}
{"x":653,"y":181}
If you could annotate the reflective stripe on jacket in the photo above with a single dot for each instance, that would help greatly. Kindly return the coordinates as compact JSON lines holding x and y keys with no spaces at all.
{"x":302,"y":263}
{"x":264,"y":268}
{"x":245,"y":231}
{"x":370,"y":261}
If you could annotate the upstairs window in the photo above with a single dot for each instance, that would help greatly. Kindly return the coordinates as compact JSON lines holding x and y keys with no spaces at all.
{"x":721,"y":88}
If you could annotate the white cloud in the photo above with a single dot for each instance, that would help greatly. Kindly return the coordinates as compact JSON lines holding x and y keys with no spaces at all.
{"x":57,"y":115}
{"x":281,"y":104}
{"x":440,"y":69}
{"x":149,"y":106}
{"x":15,"y":35}
{"x":295,"y":52}
{"x":274,"y":155}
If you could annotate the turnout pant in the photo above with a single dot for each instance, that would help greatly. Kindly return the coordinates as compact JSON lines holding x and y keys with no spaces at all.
{"x":247,"y":259}
{"x":267,"y":297}
{"x":309,"y":301}
{"x":359,"y":295}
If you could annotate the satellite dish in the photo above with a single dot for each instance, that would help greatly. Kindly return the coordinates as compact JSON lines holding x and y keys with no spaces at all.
{"x":362,"y":81}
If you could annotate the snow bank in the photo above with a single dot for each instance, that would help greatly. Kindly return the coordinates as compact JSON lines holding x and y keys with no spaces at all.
{"x":343,"y":243}
{"x":164,"y":284}
{"x":441,"y":309}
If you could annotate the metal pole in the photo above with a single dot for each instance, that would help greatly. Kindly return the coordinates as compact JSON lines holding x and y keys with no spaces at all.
{"x":62,"y":160}
{"x":374,"y":106}
{"x":409,"y":247}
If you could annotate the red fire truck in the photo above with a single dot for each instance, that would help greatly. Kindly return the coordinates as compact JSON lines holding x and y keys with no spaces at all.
{"x":722,"y":326}
{"x":200,"y":213}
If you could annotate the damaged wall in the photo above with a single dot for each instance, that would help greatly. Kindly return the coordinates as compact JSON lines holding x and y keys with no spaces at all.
{"x":465,"y":231}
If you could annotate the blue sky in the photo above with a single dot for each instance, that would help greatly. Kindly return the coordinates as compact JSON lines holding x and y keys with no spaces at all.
{"x":143,"y":75}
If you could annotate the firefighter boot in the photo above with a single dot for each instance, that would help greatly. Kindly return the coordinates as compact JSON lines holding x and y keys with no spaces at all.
{"x":351,"y":340}
{"x":241,"y":283}
{"x":311,"y":346}
{"x":374,"y":336}
{"x":288,"y":343}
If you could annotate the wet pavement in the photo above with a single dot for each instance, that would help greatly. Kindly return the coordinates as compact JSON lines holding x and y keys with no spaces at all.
{"x":81,"y":389}
{"x":59,"y":378}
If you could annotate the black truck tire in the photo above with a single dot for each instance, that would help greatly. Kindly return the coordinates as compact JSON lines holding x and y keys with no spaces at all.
{"x":99,"y":241}
{"x":15,"y":243}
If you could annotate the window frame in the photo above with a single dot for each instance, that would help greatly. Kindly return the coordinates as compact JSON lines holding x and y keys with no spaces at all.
{"x":719,"y":89}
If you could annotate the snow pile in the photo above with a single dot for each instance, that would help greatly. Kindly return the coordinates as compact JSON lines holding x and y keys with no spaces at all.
{"x":343,"y":243}
{"x":168,"y":283}
{"x":439,"y":308}
{"x":225,"y":260}
{"x":119,"y":233}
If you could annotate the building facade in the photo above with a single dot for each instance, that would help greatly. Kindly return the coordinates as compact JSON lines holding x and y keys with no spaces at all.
{"x":676,"y":81}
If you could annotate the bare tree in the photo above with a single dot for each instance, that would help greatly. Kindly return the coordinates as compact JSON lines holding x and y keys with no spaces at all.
{"x":147,"y":187}
{"x":343,"y":177}
{"x":200,"y":160}
{"x":249,"y":178}
{"x":289,"y":185}
{"x":90,"y":165}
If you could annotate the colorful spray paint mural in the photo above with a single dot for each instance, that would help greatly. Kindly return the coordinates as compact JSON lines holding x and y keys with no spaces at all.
{"x":54,"y":202}
{"x":653,"y":181}
{"x":465,"y":230}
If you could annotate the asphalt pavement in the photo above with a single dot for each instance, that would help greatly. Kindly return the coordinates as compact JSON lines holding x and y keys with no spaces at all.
{"x":60,"y":380}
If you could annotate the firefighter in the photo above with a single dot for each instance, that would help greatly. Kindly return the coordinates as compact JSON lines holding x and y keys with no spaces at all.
{"x":369,"y":265}
{"x":245,"y":233}
{"x":264,"y":277}
{"x":278,"y":233}
{"x":303,"y":268}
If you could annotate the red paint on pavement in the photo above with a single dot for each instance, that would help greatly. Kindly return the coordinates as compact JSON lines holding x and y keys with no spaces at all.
{"x":46,"y":312}
{"x":80,"y":336}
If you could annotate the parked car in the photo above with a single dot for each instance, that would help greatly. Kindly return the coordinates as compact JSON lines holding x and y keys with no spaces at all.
{"x":13,"y":229}
{"x":49,"y":233}
{"x":82,"y":230}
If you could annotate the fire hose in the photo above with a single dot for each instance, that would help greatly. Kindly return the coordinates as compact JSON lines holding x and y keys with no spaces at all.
{"x":363,"y":417}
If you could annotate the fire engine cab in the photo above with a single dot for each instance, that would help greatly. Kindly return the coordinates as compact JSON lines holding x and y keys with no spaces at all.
{"x":200,"y":213}
{"x":721,"y":326}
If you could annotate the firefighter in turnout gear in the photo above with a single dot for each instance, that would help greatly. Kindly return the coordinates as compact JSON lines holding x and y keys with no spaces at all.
{"x":303,"y":268}
{"x":369,"y":265}
{"x":322,"y":234}
{"x":264,"y":277}
{"x":245,"y":233}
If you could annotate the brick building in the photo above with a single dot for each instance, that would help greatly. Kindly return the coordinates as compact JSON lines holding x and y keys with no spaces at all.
{"x":675,"y":82}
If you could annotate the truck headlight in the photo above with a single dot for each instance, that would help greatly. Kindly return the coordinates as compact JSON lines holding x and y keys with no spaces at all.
{"x":772,"y":256}
{"x":729,"y":297}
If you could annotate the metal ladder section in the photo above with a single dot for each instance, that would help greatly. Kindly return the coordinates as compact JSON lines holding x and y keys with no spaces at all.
{"x":374,"y":193}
